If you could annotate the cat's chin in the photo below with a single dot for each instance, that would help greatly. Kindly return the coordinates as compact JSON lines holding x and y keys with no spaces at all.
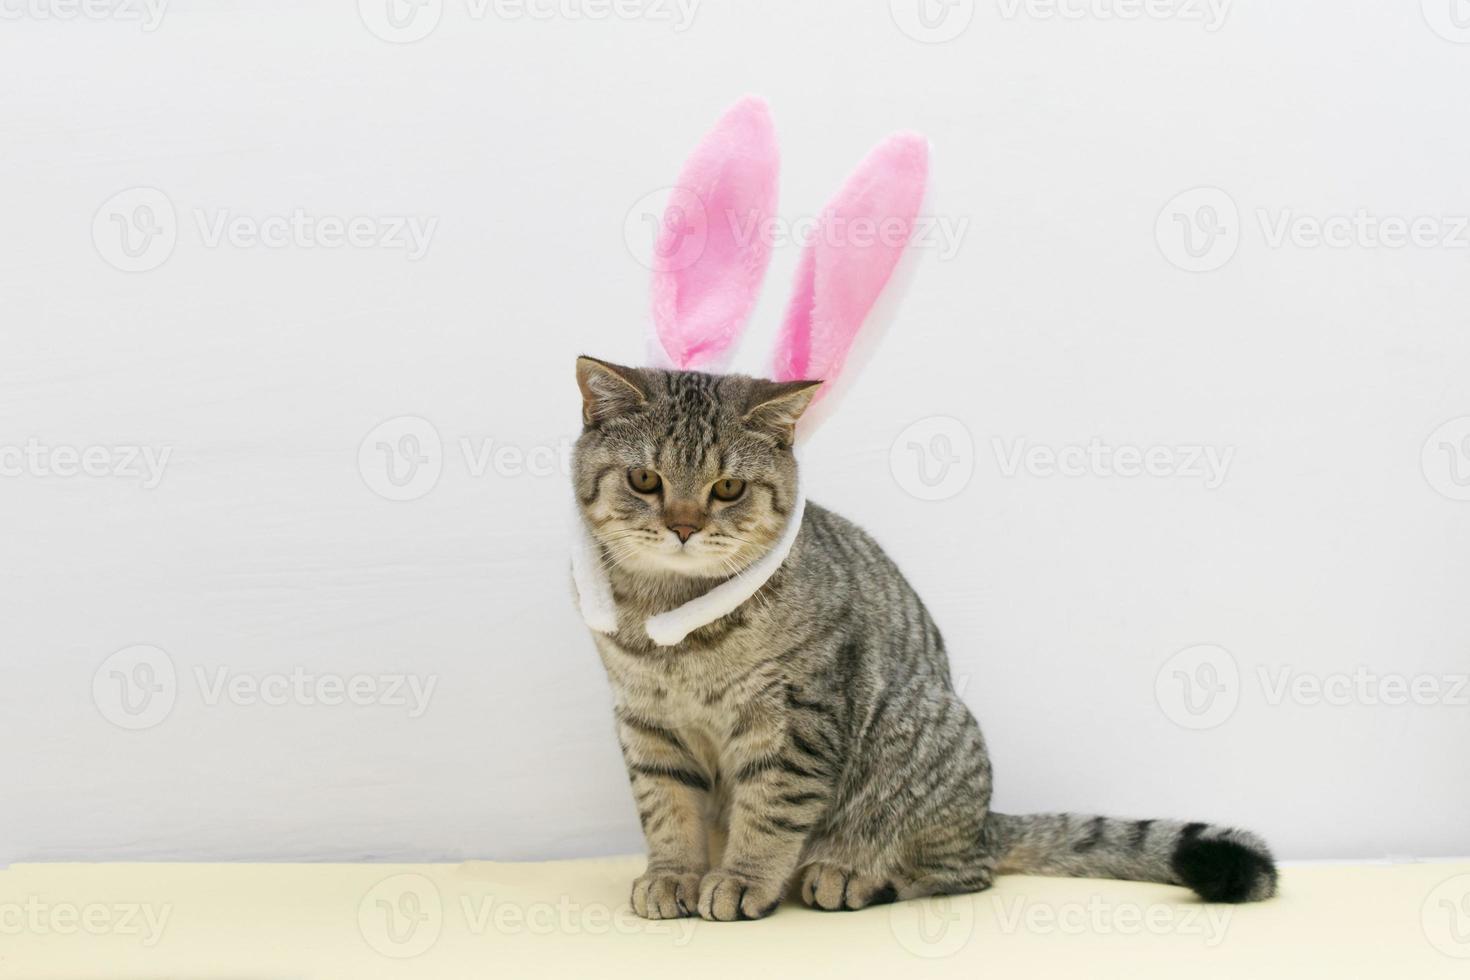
{"x":677,"y":564}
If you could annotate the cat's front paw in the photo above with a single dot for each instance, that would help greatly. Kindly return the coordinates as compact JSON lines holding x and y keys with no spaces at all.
{"x":834,"y":889}
{"x":725,"y":897}
{"x":666,"y":894}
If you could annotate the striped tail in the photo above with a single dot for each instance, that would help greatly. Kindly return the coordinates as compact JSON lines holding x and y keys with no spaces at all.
{"x":1221,"y":864}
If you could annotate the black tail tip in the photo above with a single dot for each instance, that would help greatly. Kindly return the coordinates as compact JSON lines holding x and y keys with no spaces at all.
{"x":1225,"y":870}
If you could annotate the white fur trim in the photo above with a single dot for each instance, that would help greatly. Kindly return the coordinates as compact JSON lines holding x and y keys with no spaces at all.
{"x":594,"y":588}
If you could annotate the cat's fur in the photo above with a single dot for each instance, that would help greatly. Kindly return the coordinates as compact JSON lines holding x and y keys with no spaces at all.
{"x":816,"y":726}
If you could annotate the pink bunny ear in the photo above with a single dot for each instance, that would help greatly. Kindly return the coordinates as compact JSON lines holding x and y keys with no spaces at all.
{"x":854,"y":249}
{"x":714,"y":243}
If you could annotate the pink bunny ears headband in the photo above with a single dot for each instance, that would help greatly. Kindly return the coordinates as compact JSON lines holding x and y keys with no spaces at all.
{"x":715,"y":242}
{"x":709,"y":259}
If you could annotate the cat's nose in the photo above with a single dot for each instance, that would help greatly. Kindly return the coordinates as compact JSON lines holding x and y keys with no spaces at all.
{"x":684,"y":531}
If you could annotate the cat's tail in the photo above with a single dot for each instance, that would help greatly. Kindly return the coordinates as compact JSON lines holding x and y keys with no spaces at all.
{"x":1221,"y":864}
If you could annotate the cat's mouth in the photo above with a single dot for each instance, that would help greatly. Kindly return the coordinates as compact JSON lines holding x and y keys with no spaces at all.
{"x":691,"y":557}
{"x":669,"y":553}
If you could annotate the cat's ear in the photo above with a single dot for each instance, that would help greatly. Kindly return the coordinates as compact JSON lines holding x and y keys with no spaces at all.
{"x":608,"y":390}
{"x":853,"y":252}
{"x":714,"y":241}
{"x":775,"y":406}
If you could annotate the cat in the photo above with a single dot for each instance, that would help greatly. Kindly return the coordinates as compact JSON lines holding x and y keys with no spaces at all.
{"x":816,"y":727}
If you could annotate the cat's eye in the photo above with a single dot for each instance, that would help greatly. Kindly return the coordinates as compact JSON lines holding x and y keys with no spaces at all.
{"x":644,"y":481}
{"x":728,"y":490}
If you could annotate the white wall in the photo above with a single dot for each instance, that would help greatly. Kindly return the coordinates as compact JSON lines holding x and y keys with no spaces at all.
{"x":1334,"y":542}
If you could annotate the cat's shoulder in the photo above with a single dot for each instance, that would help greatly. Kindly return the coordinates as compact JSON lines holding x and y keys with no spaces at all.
{"x":827,"y":523}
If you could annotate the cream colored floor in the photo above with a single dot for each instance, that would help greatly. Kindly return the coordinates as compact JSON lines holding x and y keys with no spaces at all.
{"x":570,"y":918}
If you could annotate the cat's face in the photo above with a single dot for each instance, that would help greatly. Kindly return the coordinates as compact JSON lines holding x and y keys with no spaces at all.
{"x":684,"y":473}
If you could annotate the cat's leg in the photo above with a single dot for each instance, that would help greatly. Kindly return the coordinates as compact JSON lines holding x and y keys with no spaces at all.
{"x":672,"y":793}
{"x":951,"y":857}
{"x":908,"y":831}
{"x":780,"y":783}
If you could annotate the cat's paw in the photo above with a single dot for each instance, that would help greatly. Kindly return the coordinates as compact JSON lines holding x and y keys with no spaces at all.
{"x":666,"y":894}
{"x":725,"y":897}
{"x":833,"y":889}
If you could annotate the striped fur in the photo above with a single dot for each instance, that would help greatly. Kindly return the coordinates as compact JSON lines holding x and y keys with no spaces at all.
{"x":815,"y":729}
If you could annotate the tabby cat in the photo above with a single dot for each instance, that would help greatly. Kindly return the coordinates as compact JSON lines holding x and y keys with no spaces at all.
{"x":815,"y":728}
